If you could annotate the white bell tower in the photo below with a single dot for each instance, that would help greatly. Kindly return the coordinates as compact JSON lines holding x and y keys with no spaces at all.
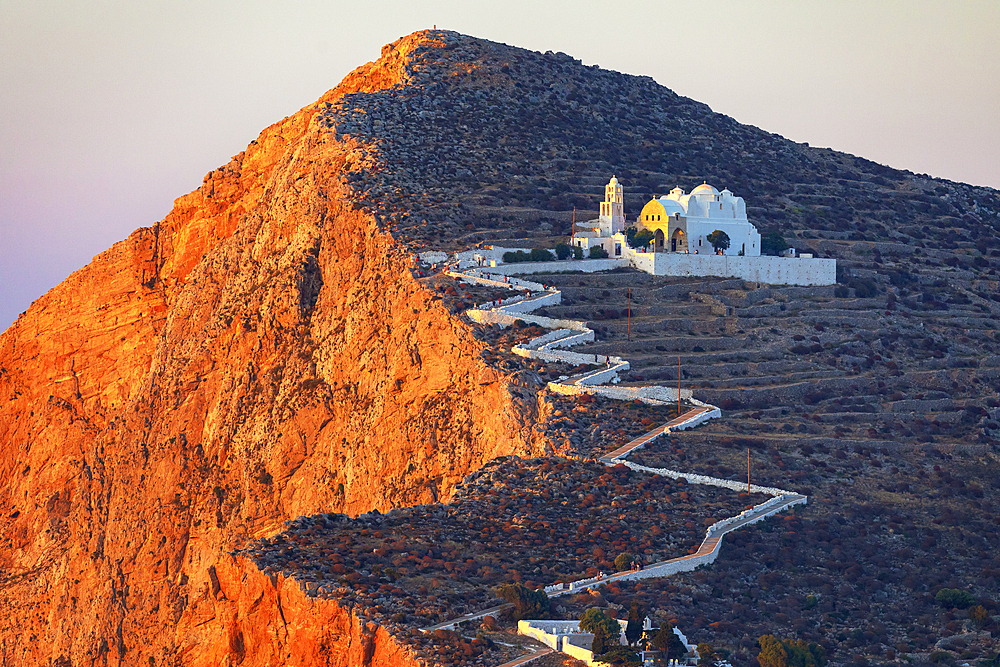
{"x":612,"y":209}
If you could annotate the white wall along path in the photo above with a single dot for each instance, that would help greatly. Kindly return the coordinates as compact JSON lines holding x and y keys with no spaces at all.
{"x":546,"y":348}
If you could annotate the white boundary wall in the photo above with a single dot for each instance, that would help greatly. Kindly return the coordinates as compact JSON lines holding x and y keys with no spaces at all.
{"x":527,"y":305}
{"x":566,"y":357}
{"x":650,"y":395}
{"x":718,"y":529}
{"x":573,"y":650}
{"x":763,"y":269}
{"x":506,"y":319}
{"x":556,"y":266}
{"x":563,"y":335}
{"x":705,"y":479}
{"x":548,"y":632}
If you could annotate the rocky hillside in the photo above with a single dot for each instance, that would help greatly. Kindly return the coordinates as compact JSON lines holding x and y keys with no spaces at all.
{"x":264,"y":352}
{"x":490,"y":141}
{"x":260,"y":354}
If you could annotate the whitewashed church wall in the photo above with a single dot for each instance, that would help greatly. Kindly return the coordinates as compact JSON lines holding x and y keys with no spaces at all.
{"x":741,"y":234}
{"x":644,"y":261}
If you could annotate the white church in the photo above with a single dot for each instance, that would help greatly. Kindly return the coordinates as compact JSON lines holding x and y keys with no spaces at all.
{"x":680,"y":223}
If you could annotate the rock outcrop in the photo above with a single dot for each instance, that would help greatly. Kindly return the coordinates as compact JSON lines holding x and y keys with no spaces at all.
{"x":262,"y":353}
{"x":262,"y":620}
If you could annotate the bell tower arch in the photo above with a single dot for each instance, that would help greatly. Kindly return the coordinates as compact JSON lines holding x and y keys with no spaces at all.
{"x":613,"y":208}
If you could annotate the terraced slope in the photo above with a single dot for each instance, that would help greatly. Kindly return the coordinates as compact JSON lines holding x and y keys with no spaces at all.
{"x":872,"y":369}
{"x":883,"y":409}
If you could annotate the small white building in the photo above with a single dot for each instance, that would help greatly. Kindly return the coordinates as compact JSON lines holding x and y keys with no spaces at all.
{"x":682,"y":222}
{"x":568,"y":638}
{"x":607,"y":231}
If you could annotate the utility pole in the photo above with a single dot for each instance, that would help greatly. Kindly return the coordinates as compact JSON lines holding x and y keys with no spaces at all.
{"x":678,"y":385}
{"x":629,"y":329}
{"x":748,"y":471}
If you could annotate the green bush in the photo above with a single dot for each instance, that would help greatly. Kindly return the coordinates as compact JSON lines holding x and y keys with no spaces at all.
{"x":633,"y":629}
{"x":666,"y":640}
{"x":541,"y":255}
{"x":630,"y":233}
{"x":942,"y":658}
{"x":620,"y":655}
{"x":951,"y":598}
{"x":563,"y":250}
{"x":773,"y":243}
{"x":605,"y":629}
{"x":776,"y":652}
{"x":642,"y":238}
{"x":512,"y":257}
{"x":863,"y":287}
{"x":719,"y":240}
{"x":624,"y":561}
{"x":597,"y":252}
{"x":527,"y":603}
{"x":577,"y":252}
{"x":593,"y":620}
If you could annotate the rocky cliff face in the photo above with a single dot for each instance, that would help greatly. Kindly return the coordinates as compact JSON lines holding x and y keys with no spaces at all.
{"x":260,"y":354}
{"x":262,"y":620}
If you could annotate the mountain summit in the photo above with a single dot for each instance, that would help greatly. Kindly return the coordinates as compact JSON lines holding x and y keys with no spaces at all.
{"x":265,"y":351}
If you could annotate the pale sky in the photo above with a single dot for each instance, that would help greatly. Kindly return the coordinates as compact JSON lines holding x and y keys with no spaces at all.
{"x":111,"y":110}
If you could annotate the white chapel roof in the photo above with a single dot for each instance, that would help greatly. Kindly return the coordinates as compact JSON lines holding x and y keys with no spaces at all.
{"x":704,"y":189}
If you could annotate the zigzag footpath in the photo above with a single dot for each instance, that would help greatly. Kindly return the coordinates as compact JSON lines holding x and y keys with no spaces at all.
{"x":546,"y":348}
